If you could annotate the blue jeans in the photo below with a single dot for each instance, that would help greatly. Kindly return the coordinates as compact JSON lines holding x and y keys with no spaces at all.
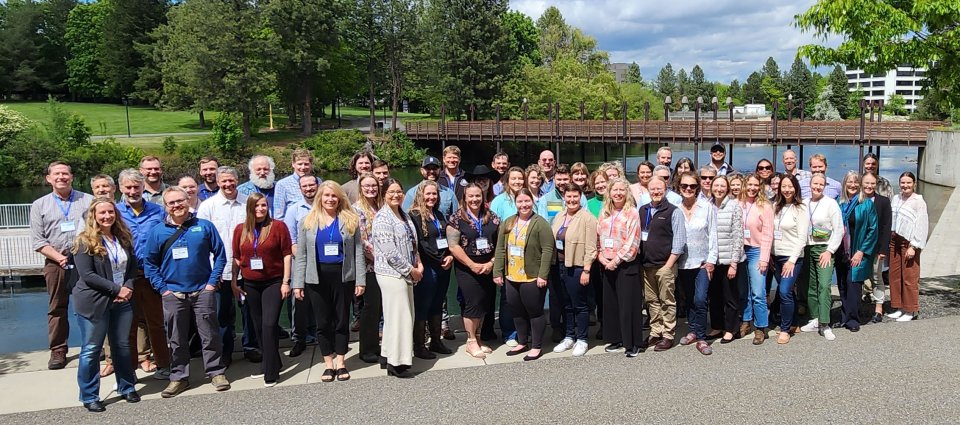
{"x":785,"y":285}
{"x":116,"y":322}
{"x":696,"y":283}
{"x":755,"y":309}
{"x":431,"y":291}
{"x":226,"y":316}
{"x":575,"y":300}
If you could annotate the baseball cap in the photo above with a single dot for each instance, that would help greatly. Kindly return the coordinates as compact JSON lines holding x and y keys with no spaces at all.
{"x":718,"y":148}
{"x":430,"y":160}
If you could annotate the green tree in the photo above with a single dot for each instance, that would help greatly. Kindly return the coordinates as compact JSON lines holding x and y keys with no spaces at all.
{"x":23,"y":47}
{"x":839,"y":94}
{"x":700,"y":86}
{"x":84,"y":40}
{"x":752,"y":91}
{"x":896,"y":105}
{"x":554,"y":34}
{"x":633,"y":74}
{"x":128,"y":24}
{"x":524,"y":37}
{"x":683,"y":83}
{"x":799,"y":82}
{"x":825,"y":110}
{"x":735,"y":91}
{"x":366,"y":35}
{"x":666,"y":83}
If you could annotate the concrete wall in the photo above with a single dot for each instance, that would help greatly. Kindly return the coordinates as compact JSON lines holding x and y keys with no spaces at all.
{"x":940,"y":163}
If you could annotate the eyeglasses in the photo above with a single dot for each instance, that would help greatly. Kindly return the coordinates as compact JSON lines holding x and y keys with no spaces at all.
{"x":706,"y":177}
{"x":688,"y":186}
{"x":370,"y":186}
{"x":764,"y":167}
{"x":394,"y":193}
{"x":173,"y":202}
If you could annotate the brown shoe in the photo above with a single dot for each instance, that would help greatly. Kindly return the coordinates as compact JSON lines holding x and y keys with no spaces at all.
{"x":664,"y":344}
{"x":653,"y":340}
{"x":58,"y":360}
{"x":174,"y":388}
{"x":783,"y":338}
{"x":758,"y":336}
{"x":745,"y":328}
{"x":220,"y":382}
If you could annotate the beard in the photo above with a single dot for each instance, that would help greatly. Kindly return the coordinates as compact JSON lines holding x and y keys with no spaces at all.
{"x":264,"y":182}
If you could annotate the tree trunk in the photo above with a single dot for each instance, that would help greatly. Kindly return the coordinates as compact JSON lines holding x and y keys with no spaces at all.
{"x":373,"y":109}
{"x":246,"y":125}
{"x":307,"y":111}
{"x":203,"y":122}
{"x":333,"y":110}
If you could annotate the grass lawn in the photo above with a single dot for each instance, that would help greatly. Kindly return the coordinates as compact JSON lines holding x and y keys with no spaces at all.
{"x":354,"y":112}
{"x":109,"y":119}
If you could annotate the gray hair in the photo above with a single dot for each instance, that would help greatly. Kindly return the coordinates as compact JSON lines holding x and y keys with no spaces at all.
{"x":102,"y":177}
{"x":173,"y":189}
{"x":662,"y":167}
{"x":708,"y":169}
{"x":664,"y":149}
{"x":228,"y":170}
{"x":131,"y":174}
{"x":273,"y":165}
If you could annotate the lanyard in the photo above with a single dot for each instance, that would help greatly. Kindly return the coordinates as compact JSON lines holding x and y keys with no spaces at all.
{"x":256,"y":240}
{"x":114,"y":254}
{"x":66,"y":211}
{"x":334,"y":227}
{"x":566,"y":222}
{"x":613,"y":223}
{"x":436,"y":223}
{"x":476,"y":223}
{"x":747,"y":214}
{"x":646,"y":222}
{"x":813,"y":210}
{"x":517,"y":229}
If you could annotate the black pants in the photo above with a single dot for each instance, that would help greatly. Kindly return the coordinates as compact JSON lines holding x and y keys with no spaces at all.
{"x":331,"y":300}
{"x":724,"y":297}
{"x":623,"y":305}
{"x":555,"y":287}
{"x":850,"y":294}
{"x":526,"y":304}
{"x":264,"y":304}
{"x":596,"y":281}
{"x":370,"y":317}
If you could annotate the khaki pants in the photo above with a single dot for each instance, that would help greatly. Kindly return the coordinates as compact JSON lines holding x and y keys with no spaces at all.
{"x":659,"y":287}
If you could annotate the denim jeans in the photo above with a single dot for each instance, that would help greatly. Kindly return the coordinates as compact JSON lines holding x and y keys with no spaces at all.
{"x":696,"y":283}
{"x":431,"y":291}
{"x":115,"y":322}
{"x":755,"y":309}
{"x":785,"y":286}
{"x":575,"y":298}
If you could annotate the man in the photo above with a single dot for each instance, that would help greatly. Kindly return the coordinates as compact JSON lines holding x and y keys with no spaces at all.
{"x":381,"y":170}
{"x":500,"y":164}
{"x":208,"y":175}
{"x":663,"y":172}
{"x":189,"y":184}
{"x":549,"y":165}
{"x":818,"y":164}
{"x":103,"y":186}
{"x":789,"y":159}
{"x":717,"y":155}
{"x":178,"y":263}
{"x":430,"y":170}
{"x":153,"y":187}
{"x":707,"y":175}
{"x":55,"y":221}
{"x":362,"y":162}
{"x":287,"y":190}
{"x":304,"y":323}
{"x":141,"y":217}
{"x":665,"y":156}
{"x":871,"y":164}
{"x":453,"y":177}
{"x":226,"y":210}
{"x":662,"y":241}
{"x":261,"y":179}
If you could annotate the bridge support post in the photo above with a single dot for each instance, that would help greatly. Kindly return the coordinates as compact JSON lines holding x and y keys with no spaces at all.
{"x":624,"y":156}
{"x":800,"y":158}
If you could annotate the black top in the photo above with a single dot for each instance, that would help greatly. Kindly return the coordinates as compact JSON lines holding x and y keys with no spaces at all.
{"x":659,"y":244}
{"x":884,"y":223}
{"x":95,"y":289}
{"x":469,"y":236}
{"x":428,"y":241}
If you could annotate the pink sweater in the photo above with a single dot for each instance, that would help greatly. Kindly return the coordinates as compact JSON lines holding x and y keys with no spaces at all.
{"x":759,"y":222}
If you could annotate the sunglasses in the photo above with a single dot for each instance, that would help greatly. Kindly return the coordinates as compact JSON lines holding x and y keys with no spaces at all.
{"x":688,"y":186}
{"x":706,"y":177}
{"x":764,"y":167}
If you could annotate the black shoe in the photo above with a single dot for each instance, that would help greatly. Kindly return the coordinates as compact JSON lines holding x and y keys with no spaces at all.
{"x":520,"y":351}
{"x":854,"y":328}
{"x":437,"y":347}
{"x":727,"y":341}
{"x":838,"y":325}
{"x":557,"y":335}
{"x":253,"y":356}
{"x":131,"y":397}
{"x":94,"y":406}
{"x":488,"y":337}
{"x":877,"y":318}
{"x":297,"y":349}
{"x":369,"y":358}
{"x":284,"y":334}
{"x":633,"y":352}
{"x":422,"y":352}
{"x":613,"y":348}
{"x":402,"y":372}
{"x":529,"y":358}
{"x":600,"y":334}
{"x":383,"y":362}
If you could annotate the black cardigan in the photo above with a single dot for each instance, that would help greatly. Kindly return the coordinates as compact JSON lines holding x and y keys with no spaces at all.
{"x":95,"y":289}
{"x":884,"y":223}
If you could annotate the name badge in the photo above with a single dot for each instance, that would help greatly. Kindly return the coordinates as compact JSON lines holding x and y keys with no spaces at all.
{"x":256,"y":263}
{"x":608,"y":243}
{"x":68,"y":227}
{"x":331,"y":249}
{"x":441,"y":243}
{"x":516,"y":251}
{"x":180,"y":253}
{"x":777,"y":235}
{"x":746,"y":233}
{"x":118,"y":277}
{"x":482,"y":243}
{"x":643,"y":235}
{"x":560,"y":244}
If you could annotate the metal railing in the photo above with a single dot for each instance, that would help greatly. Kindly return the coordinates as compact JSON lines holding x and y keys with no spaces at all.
{"x":17,"y":255}
{"x":14,"y":216}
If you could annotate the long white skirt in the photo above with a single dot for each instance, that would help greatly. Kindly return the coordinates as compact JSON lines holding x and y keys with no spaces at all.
{"x":397,"y":344}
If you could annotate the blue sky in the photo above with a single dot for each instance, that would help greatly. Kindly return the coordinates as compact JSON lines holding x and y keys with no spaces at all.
{"x":728,"y":38}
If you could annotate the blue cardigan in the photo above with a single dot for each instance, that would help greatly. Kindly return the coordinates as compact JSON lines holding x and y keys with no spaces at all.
{"x":863,"y":237}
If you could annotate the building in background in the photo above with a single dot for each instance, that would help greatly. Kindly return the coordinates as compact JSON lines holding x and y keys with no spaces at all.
{"x":906,"y":81}
{"x":619,"y":70}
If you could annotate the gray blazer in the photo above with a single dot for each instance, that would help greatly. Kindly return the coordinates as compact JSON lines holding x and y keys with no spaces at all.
{"x":305,"y":259}
{"x":95,"y":290}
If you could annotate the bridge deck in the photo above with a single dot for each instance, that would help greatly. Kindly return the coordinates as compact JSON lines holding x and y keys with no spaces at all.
{"x":17,"y":256}
{"x":902,"y":133}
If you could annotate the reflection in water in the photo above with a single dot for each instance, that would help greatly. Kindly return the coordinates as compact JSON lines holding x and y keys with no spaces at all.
{"x":24,"y":321}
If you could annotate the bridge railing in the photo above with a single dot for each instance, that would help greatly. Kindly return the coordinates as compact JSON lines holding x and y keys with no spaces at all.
{"x":17,"y":254}
{"x":14,"y":216}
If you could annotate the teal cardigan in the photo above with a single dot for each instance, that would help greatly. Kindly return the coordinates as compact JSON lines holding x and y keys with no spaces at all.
{"x":863,"y":237}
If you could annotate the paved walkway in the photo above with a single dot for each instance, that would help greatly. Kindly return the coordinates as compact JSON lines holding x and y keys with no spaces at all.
{"x":887,"y":373}
{"x":134,"y":136}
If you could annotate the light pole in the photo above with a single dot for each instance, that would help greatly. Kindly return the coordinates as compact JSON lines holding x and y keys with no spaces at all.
{"x":126,"y":107}
{"x":666,"y":108}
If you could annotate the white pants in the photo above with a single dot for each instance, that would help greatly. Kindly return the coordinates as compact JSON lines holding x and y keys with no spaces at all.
{"x":397,"y":344}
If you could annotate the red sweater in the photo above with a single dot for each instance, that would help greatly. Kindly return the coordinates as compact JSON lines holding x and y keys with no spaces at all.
{"x":276,"y":246}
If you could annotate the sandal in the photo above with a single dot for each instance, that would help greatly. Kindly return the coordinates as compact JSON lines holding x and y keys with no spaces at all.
{"x":148,"y":366}
{"x":343,"y":374}
{"x":328,"y":376}
{"x":106,"y":370}
{"x":486,"y":350}
{"x":478,"y":354}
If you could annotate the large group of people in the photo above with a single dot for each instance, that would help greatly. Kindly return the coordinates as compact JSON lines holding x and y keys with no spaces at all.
{"x":160,"y":275}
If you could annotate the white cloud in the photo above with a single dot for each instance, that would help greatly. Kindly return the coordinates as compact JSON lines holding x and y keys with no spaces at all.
{"x":727,"y":38}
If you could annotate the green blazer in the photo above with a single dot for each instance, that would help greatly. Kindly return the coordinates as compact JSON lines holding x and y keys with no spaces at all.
{"x":538,"y":250}
{"x":863,"y":237}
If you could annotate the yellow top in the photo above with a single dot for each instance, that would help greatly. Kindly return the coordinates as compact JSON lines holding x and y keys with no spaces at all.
{"x":516,"y":244}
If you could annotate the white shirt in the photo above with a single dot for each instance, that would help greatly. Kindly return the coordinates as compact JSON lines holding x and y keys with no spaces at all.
{"x":225,"y":216}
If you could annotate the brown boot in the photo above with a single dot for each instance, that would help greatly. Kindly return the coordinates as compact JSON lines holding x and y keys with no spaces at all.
{"x":759,"y":336}
{"x":745,"y":328}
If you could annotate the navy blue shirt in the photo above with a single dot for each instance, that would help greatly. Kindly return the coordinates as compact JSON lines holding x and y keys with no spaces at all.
{"x":327,"y":235}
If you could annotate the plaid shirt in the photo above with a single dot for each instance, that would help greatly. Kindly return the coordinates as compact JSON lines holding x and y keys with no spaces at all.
{"x":623,"y":229}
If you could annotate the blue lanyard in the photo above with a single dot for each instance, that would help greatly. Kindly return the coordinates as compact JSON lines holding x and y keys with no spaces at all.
{"x":436,"y":223}
{"x":256,"y":240}
{"x":476,"y":223}
{"x":334,"y":227}
{"x":66,"y":211}
{"x":646,"y":223}
{"x":113,"y":254}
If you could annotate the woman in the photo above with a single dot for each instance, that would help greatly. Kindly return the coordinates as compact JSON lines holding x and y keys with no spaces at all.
{"x":329,"y":267}
{"x":736,"y":186}
{"x":534,"y":180}
{"x":757,"y":240}
{"x":575,"y":231}
{"x":106,"y":264}
{"x":522,"y":266}
{"x":908,"y":239}
{"x":580,"y":175}
{"x":826,"y":234}
{"x":484,"y":177}
{"x":261,"y":253}
{"x":791,"y":227}
{"x":684,"y":165}
{"x":639,"y":189}
{"x":398,"y":269}
{"x":697,"y":266}
{"x":724,"y":289}
{"x":855,"y":258}
{"x":773,"y":189}
{"x":514,"y":180}
{"x":764,"y":171}
{"x":619,"y":233}
{"x":429,"y":295}
{"x":881,"y":203}
{"x":598,"y":184}
{"x":369,"y":202}
{"x":472,"y":236}
{"x":189,"y":184}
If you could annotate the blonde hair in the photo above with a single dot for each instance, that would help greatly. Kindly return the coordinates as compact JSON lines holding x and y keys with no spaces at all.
{"x":843,"y":189}
{"x":91,"y":238}
{"x":364,"y":205}
{"x":420,"y":202}
{"x":761,"y":200}
{"x":534,"y":168}
{"x":615,"y":165}
{"x":607,"y":208}
{"x":250,"y":223}
{"x":347,"y":216}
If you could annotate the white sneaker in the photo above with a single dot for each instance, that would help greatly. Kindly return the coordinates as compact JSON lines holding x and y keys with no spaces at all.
{"x":564,"y":345}
{"x":257,"y":375}
{"x":512,"y":343}
{"x":906,"y":317}
{"x":270,"y":384}
{"x":828,"y":334}
{"x":580,"y":348}
{"x":896,"y":314}
{"x":811,"y":326}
